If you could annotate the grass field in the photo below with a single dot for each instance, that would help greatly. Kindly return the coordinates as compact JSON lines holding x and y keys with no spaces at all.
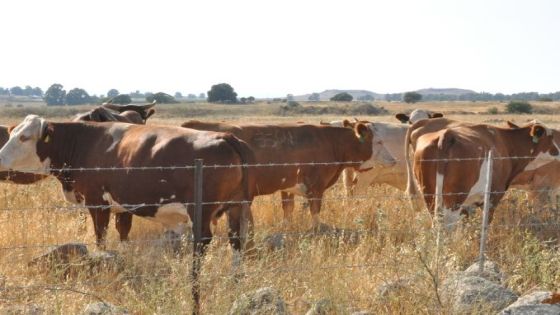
{"x":345,"y":270}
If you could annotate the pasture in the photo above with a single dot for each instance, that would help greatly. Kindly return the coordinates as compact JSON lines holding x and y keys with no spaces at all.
{"x":379,"y":239}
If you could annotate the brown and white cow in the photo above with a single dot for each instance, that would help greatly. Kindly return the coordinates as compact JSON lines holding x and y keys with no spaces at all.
{"x":301,"y":143}
{"x":417,"y":115}
{"x":163,"y":192}
{"x":392,"y":136}
{"x":450,"y":162}
{"x":542,"y":183}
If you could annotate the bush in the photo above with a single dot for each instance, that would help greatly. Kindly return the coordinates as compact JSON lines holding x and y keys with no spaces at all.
{"x":492,"y":110}
{"x":519,"y":107}
{"x":342,"y":97}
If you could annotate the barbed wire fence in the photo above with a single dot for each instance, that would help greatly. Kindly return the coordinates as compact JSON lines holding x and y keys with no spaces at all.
{"x":197,"y":203}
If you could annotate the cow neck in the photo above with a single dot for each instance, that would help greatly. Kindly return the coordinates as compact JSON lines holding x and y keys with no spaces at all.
{"x":66,"y":146}
{"x":520,"y":144}
{"x":348,"y":147}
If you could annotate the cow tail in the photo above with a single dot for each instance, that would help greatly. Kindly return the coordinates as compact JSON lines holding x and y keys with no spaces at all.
{"x":445,"y":141}
{"x":247,"y":157}
{"x":411,"y":187}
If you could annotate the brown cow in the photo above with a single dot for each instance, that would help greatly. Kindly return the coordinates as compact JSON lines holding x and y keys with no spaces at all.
{"x":457,"y":186}
{"x":297,"y":143}
{"x":163,"y":192}
{"x":129,"y":113}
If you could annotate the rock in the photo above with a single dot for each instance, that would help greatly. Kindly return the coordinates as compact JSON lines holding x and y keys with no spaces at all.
{"x":322,"y":307}
{"x":61,"y":256}
{"x":535,"y":309}
{"x":472,"y":294}
{"x":491,"y":271}
{"x":27,"y":309}
{"x":103,"y":308}
{"x":276,"y":241}
{"x":105,"y":261}
{"x":260,"y":302}
{"x":532,"y":299}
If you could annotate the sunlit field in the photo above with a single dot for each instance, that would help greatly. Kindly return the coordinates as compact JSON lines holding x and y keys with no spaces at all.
{"x":375,"y":238}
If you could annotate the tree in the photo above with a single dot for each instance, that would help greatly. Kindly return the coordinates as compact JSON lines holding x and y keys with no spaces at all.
{"x":519,"y":107}
{"x":178,"y":95}
{"x":191,"y":96}
{"x":161,"y":98}
{"x":222,"y":92}
{"x":37,"y":91}
{"x":4,"y":91}
{"x":122,"y":99}
{"x":112,"y":93}
{"x":366,"y":97}
{"x":314,"y":97}
{"x":55,"y":95}
{"x":412,"y":97}
{"x":202,"y":96}
{"x":77,"y":96}
{"x":290,"y":97}
{"x":342,"y":97}
{"x":251,"y":99}
{"x":16,"y":90}
{"x":243,"y":100}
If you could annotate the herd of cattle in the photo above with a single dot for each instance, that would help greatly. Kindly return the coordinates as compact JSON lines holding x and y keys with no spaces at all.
{"x":109,"y":160}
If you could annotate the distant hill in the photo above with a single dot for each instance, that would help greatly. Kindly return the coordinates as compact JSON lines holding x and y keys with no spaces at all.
{"x":450,"y":91}
{"x":327,"y":94}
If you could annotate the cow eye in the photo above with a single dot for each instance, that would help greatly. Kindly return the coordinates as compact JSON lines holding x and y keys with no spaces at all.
{"x":23,"y":138}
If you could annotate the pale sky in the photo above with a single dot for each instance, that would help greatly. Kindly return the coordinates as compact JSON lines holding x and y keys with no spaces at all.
{"x":272,"y":48}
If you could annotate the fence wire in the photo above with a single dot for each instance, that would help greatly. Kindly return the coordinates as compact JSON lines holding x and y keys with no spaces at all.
{"x":21,"y":282}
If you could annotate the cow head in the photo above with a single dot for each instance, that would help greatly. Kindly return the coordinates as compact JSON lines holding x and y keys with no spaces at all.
{"x":379,"y":153}
{"x":20,"y":151}
{"x":417,"y":115}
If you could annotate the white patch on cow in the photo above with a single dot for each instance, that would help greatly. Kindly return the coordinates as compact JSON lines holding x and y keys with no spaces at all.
{"x":117,"y":132}
{"x":540,"y":160}
{"x":418,"y":114}
{"x":379,"y":153}
{"x":299,"y":189}
{"x":115,"y":206}
{"x":20,"y":151}
{"x":337,"y":123}
{"x":205,"y":139}
{"x":283,"y":180}
{"x":171,"y":215}
{"x":476,"y":193}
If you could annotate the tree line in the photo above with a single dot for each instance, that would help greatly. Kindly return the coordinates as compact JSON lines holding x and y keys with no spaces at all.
{"x":483,"y":96}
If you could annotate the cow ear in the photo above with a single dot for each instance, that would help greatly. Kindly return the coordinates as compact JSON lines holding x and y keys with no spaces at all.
{"x":362,"y":131}
{"x":537,"y":132}
{"x":512,"y":125}
{"x":47,"y":133}
{"x":150,"y":112}
{"x":436,"y":115}
{"x":402,"y":117}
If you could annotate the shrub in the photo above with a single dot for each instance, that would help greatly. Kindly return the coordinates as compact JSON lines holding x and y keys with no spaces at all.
{"x":492,"y":110}
{"x":519,"y":107}
{"x":342,"y":97}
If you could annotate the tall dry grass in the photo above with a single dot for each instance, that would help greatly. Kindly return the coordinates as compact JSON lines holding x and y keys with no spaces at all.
{"x":393,"y":244}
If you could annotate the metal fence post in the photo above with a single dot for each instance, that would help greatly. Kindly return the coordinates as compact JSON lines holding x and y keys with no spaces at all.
{"x":197,"y":221}
{"x":485,"y":212}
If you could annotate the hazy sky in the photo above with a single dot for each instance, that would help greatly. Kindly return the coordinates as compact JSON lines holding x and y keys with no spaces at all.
{"x":271,"y":48}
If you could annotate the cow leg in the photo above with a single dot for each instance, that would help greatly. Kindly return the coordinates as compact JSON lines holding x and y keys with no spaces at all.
{"x":348,"y":176}
{"x":123,"y":223}
{"x":315,"y":208}
{"x":288,"y":205}
{"x":100,"y":217}
{"x":241,"y":223}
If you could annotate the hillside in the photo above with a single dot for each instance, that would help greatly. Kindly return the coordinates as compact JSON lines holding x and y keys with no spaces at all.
{"x":327,"y":94}
{"x":449,"y":91}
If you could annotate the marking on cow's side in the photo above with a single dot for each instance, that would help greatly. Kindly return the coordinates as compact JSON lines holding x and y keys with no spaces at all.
{"x":275,"y":139}
{"x":205,"y":140}
{"x":117,"y":133}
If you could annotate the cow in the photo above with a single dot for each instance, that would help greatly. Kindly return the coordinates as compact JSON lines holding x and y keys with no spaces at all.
{"x":417,"y":115}
{"x":450,"y":162}
{"x":541,"y":183}
{"x":151,"y":181}
{"x":299,"y":146}
{"x":129,"y":113}
{"x":392,"y":136}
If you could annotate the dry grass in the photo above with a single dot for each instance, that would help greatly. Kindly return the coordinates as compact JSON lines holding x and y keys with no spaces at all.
{"x":154,"y":281}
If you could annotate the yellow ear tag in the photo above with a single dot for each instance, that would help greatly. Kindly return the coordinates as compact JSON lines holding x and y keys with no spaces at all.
{"x":47,"y":139}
